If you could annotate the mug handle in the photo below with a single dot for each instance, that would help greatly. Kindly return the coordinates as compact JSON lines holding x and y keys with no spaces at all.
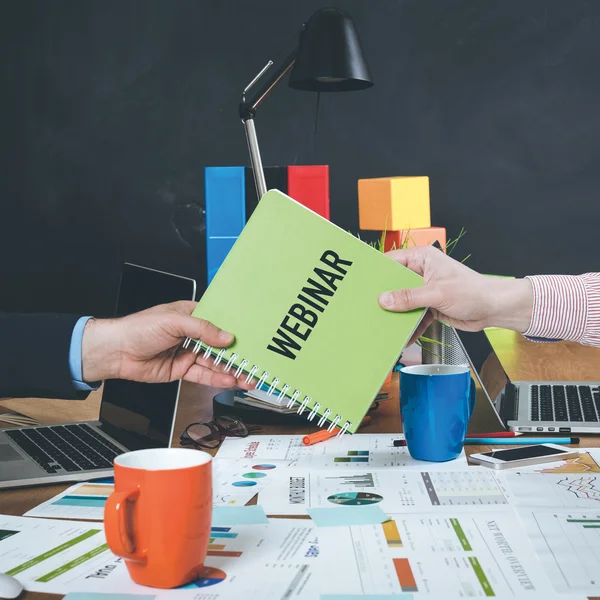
{"x":472,"y":398}
{"x":115,"y":525}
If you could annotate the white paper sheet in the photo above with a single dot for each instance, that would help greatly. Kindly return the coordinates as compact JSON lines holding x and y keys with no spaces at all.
{"x":563,"y":490}
{"x":293,"y":491}
{"x":249,"y":561}
{"x":568,"y":544}
{"x":347,"y":452}
{"x":449,"y":554}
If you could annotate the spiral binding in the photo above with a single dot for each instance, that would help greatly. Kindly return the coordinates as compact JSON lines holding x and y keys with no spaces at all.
{"x":218,"y":356}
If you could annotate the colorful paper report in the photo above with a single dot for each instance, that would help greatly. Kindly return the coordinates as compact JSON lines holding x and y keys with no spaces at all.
{"x":296,"y":490}
{"x":63,"y":556}
{"x":345,"y":453}
{"x":450,"y":554}
{"x":235,"y":483}
{"x":81,"y":501}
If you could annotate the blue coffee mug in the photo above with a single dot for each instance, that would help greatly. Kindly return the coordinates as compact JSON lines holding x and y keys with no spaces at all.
{"x":436,"y":402}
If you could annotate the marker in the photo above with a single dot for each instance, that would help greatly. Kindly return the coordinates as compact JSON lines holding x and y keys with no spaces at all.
{"x":399,"y":443}
{"x":521,"y":441}
{"x":323,"y":434}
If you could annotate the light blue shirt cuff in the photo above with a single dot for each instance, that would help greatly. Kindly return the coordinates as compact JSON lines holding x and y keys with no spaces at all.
{"x":75,"y":365}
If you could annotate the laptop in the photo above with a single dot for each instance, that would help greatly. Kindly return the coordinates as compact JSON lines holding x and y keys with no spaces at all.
{"x":133,"y":415}
{"x":532,"y":406}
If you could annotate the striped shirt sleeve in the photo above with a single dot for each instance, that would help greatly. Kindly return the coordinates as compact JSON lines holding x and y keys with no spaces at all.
{"x":566,"y":307}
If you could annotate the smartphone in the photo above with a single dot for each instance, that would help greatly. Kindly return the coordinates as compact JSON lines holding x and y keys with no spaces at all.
{"x":523,"y":456}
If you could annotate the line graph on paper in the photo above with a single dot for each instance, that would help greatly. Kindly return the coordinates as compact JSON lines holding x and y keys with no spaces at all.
{"x":553,"y":490}
{"x":582,"y":487}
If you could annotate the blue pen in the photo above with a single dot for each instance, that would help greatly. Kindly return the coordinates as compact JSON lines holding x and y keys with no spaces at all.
{"x":521,"y":441}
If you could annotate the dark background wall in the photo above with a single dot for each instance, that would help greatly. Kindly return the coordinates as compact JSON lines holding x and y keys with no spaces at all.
{"x":110,"y":110}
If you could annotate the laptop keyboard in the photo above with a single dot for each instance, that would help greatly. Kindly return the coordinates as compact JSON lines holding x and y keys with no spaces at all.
{"x":565,"y":403}
{"x":68,"y":447}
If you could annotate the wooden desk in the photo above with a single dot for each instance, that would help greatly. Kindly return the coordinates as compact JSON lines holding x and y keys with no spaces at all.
{"x":521,"y":358}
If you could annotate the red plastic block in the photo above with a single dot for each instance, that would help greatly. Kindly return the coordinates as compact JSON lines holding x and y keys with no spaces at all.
{"x":309,"y":185}
{"x":415,"y":237}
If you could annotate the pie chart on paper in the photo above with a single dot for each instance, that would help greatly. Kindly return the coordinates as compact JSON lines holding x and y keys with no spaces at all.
{"x":208,"y":576}
{"x":253,"y":475}
{"x":355,"y":498}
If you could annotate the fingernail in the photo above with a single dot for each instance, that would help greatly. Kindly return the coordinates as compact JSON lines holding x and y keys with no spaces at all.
{"x":386,"y":300}
{"x":226,"y":337}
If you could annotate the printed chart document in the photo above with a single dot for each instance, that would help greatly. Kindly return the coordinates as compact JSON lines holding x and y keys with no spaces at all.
{"x":344,"y":453}
{"x":293,"y":491}
{"x":81,"y":501}
{"x":447,"y":553}
{"x":239,"y":481}
{"x":588,"y":461}
{"x":235,"y":483}
{"x":568,"y":544}
{"x":567,"y":490}
{"x":270,"y":562}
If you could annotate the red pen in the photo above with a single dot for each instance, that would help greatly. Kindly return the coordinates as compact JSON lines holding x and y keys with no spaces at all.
{"x":497,"y":434}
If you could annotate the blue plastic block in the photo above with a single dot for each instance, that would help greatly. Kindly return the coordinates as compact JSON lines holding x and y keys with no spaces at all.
{"x":224,"y":200}
{"x":225,"y":205}
{"x":216,"y":251}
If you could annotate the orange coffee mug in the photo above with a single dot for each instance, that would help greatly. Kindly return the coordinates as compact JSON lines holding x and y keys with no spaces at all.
{"x":158,"y":518}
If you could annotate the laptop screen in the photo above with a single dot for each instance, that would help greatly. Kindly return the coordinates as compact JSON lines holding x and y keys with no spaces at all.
{"x":141,"y":415}
{"x":485,"y":362}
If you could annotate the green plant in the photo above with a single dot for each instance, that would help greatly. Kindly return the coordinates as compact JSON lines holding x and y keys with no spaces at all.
{"x":450,"y":243}
{"x":379,"y":244}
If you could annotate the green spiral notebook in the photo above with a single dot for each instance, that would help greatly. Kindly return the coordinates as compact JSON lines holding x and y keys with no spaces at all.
{"x":300,"y":296}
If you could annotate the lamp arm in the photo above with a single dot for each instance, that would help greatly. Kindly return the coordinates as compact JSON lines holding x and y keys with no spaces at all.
{"x":247,"y":111}
{"x":247,"y":106}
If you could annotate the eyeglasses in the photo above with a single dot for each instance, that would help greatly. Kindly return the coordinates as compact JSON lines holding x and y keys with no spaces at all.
{"x":211,"y":434}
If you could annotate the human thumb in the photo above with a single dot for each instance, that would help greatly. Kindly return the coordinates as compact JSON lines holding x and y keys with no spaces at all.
{"x":205,"y":331}
{"x":408,"y":299}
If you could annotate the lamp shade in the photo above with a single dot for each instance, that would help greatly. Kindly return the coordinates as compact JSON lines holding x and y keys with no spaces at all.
{"x":330,"y":57}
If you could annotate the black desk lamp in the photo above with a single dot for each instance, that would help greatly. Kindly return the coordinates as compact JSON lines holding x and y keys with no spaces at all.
{"x":328,"y":58}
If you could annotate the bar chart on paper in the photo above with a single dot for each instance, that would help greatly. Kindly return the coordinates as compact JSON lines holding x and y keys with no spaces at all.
{"x":81,"y":501}
{"x":447,"y":554}
{"x":568,"y":544}
{"x":58,"y":557}
{"x":218,"y":542}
